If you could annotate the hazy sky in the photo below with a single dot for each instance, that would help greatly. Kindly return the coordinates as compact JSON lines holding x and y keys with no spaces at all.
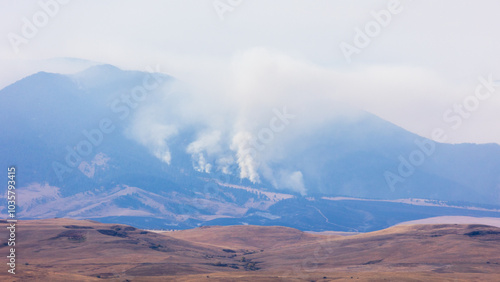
{"x":420,"y":65}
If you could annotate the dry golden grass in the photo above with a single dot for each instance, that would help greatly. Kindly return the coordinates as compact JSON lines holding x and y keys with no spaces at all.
{"x":245,"y":236}
{"x":80,"y":250}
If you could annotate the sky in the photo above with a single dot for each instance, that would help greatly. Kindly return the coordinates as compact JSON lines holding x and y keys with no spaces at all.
{"x":423,"y":65}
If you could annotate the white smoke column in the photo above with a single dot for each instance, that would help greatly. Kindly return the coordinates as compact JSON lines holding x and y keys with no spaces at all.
{"x":209,"y":143}
{"x":293,"y":181}
{"x":245,"y":156}
{"x":154,"y":136}
{"x":224,"y":164}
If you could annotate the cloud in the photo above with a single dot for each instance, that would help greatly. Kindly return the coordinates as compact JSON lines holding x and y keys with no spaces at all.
{"x":409,"y":75}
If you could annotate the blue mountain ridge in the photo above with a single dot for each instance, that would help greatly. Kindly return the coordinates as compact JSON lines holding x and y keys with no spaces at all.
{"x":45,"y":114}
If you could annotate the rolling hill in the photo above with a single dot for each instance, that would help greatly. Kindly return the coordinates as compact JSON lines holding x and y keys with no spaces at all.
{"x":83,"y":250}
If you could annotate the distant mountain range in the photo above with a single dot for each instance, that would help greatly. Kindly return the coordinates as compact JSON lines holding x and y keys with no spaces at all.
{"x":72,"y":139}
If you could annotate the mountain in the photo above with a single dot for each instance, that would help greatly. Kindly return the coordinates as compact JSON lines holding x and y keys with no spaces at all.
{"x":84,"y":250}
{"x":82,"y":149}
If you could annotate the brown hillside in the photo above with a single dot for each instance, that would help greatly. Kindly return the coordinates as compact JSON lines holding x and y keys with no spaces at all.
{"x":80,"y":250}
{"x":245,"y":236}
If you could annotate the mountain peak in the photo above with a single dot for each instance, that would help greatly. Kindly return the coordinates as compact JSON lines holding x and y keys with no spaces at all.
{"x":101,"y":69}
